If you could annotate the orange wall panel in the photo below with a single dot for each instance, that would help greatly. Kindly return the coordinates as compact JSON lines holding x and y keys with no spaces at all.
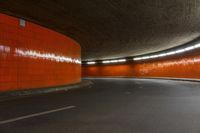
{"x":35,"y":57}
{"x":182,"y":66}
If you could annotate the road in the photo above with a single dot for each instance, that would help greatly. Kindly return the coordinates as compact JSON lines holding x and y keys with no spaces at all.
{"x":108,"y":106}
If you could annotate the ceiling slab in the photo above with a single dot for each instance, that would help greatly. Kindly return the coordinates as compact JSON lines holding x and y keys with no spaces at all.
{"x":114,"y":28}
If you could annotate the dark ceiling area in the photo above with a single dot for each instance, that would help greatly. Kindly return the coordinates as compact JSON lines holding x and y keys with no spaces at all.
{"x":114,"y":28}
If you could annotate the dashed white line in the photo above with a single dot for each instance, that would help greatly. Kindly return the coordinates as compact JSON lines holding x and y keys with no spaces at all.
{"x":36,"y":114}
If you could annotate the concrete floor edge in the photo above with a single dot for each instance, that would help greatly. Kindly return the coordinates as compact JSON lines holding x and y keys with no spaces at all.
{"x":4,"y":96}
{"x":158,"y":78}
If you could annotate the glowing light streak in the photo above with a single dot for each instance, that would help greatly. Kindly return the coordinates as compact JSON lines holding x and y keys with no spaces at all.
{"x":46,"y":56}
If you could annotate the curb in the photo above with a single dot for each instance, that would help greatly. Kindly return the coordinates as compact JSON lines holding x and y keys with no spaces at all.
{"x":159,"y":78}
{"x":4,"y":96}
{"x":175,"y":79}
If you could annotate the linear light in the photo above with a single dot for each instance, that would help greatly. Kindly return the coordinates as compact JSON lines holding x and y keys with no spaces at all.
{"x":162,"y":55}
{"x":145,"y":57}
{"x":153,"y":56}
{"x":91,"y":63}
{"x":189,"y":48}
{"x":168,"y":53}
{"x":197,"y":45}
{"x":122,"y":60}
{"x":180,"y":51}
{"x":137,"y":59}
{"x":106,"y":62}
{"x":114,"y":61}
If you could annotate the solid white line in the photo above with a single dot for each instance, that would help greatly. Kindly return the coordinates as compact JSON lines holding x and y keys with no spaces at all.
{"x":36,"y":114}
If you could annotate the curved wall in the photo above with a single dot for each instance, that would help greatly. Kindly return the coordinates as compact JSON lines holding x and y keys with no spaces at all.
{"x":32,"y":56}
{"x":181,"y":66}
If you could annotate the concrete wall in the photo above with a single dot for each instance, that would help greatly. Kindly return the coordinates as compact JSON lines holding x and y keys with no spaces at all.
{"x":34,"y":56}
{"x":181,"y":66}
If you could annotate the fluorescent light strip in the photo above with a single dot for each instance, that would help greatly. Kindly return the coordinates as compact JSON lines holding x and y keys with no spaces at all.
{"x":189,"y":48}
{"x":122,"y":60}
{"x":197,"y":45}
{"x":168,"y":53}
{"x":114,"y":61}
{"x":138,"y":58}
{"x":91,"y":63}
{"x":106,"y":62}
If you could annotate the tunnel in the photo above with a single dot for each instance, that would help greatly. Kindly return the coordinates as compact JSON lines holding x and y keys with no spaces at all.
{"x":99,"y":66}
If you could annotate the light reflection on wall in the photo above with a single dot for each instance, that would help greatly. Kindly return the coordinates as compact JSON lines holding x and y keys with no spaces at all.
{"x":4,"y":49}
{"x":183,"y":62}
{"x":167,"y":64}
{"x":35,"y":54}
{"x":46,"y":56}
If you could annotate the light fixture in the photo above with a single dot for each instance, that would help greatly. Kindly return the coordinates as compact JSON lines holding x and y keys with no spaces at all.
{"x":168,"y":53}
{"x":106,"y":62}
{"x":91,"y":63}
{"x":153,"y":56}
{"x":122,"y":60}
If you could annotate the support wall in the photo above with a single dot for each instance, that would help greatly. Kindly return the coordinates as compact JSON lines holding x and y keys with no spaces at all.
{"x":32,"y":56}
{"x":181,"y":66}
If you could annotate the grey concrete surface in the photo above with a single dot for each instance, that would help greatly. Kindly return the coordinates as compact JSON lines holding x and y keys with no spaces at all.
{"x":109,"y":106}
{"x":9,"y":95}
{"x":114,"y":28}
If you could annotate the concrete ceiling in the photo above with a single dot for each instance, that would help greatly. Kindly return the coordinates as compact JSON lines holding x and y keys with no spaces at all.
{"x":114,"y":28}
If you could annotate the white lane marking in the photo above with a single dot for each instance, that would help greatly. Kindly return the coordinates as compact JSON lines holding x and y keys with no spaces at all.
{"x":36,"y":114}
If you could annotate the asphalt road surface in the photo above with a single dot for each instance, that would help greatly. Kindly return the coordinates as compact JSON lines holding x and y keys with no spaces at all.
{"x":108,"y":106}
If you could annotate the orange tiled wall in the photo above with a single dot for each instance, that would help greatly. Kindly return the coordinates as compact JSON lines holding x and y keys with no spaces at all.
{"x":182,"y":66}
{"x":34,"y":56}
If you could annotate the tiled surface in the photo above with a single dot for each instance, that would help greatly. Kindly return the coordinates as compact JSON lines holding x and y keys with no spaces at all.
{"x":26,"y":70}
{"x":183,"y":66}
